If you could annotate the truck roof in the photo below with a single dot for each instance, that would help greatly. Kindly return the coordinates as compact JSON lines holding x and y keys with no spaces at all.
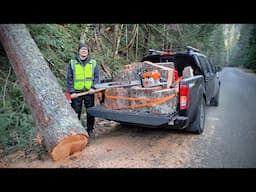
{"x":168,"y":56}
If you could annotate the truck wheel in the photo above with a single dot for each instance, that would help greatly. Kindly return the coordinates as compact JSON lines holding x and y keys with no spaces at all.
{"x":215,"y":100}
{"x":197,"y":126}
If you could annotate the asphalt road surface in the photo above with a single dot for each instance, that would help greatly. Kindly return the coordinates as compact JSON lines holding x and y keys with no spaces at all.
{"x":229,"y":140}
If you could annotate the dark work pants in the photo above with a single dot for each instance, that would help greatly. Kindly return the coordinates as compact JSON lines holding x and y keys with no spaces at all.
{"x":88,"y":101}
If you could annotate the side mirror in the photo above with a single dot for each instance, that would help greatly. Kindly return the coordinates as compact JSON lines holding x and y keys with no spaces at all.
{"x":217,"y":69}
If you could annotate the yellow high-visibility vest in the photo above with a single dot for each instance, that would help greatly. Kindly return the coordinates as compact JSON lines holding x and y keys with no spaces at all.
{"x":83,"y":75}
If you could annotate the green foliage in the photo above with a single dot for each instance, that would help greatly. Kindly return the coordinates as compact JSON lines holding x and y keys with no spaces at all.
{"x":17,"y":131}
{"x":17,"y":128}
{"x":58,"y":43}
{"x":216,"y":46}
{"x":114,"y":64}
{"x":243,"y":52}
{"x":252,"y":49}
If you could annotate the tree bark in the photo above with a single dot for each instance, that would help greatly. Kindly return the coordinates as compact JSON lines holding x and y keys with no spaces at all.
{"x":57,"y":122}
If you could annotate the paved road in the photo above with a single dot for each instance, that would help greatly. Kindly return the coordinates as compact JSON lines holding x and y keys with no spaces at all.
{"x":229,"y":139}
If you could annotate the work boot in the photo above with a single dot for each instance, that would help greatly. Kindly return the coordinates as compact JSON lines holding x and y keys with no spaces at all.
{"x":91,"y":133}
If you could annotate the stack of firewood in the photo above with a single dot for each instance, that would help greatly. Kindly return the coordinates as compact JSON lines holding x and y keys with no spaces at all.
{"x":155,"y":100}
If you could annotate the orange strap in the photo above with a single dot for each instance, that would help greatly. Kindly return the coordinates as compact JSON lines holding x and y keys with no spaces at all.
{"x":154,"y":102}
{"x":128,"y":98}
{"x":151,"y":101}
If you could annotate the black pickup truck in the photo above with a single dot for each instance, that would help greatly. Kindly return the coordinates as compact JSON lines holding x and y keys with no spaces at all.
{"x":201,"y":89}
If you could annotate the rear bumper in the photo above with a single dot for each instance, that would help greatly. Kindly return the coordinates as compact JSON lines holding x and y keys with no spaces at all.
{"x":141,"y":119}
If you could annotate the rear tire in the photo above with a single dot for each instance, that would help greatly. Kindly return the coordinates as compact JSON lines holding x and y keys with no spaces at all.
{"x":197,"y":126}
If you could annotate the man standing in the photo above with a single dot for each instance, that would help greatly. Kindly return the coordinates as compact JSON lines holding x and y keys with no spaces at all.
{"x":82,"y":75}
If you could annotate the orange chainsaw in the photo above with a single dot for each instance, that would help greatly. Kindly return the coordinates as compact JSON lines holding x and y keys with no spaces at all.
{"x":150,"y":78}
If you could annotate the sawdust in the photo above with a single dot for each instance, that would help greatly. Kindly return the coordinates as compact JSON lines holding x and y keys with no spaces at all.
{"x":117,"y":146}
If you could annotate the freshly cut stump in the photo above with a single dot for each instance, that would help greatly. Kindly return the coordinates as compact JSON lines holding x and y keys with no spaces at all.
{"x":69,"y":146}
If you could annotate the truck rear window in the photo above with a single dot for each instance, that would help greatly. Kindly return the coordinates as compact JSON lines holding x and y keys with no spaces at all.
{"x":158,"y":58}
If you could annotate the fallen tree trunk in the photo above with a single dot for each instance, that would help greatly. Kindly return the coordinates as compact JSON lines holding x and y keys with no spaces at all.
{"x":62,"y":132}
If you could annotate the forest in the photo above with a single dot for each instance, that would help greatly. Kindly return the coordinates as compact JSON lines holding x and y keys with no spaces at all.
{"x":113,"y":46}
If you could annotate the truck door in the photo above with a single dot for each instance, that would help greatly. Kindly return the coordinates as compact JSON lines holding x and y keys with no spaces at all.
{"x":214,"y":76}
{"x":209,"y":77}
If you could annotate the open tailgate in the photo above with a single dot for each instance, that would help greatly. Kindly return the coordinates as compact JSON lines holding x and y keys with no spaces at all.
{"x":125,"y":116}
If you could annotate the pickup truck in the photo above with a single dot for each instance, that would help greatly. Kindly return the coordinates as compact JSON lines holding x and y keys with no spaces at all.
{"x":195,"y":92}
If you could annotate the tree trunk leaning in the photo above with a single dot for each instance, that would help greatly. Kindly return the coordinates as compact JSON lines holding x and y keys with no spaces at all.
{"x":62,"y":132}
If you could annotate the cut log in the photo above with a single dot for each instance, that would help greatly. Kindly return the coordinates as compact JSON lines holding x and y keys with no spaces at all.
{"x":156,"y":65}
{"x":166,"y":107}
{"x":167,"y":69}
{"x":170,"y":78}
{"x":115,"y":103}
{"x":139,"y":92}
{"x":131,"y":71}
{"x":187,"y":72}
{"x":167,"y":64}
{"x":51,"y":111}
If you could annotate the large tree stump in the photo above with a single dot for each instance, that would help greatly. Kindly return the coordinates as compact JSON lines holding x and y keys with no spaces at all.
{"x":62,"y":132}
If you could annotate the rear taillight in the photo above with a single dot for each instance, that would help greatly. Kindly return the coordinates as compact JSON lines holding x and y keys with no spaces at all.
{"x":167,"y":53}
{"x":184,"y":97}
